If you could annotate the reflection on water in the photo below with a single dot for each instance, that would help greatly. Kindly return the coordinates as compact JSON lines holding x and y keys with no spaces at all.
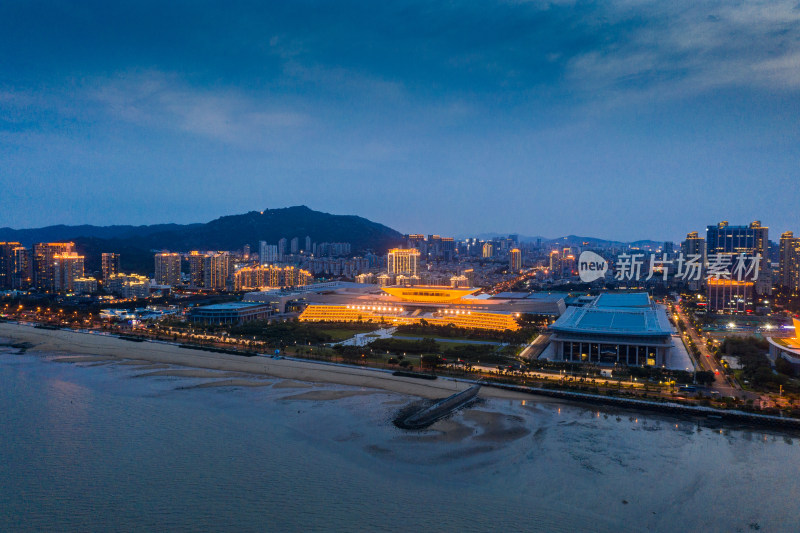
{"x":89,"y":448}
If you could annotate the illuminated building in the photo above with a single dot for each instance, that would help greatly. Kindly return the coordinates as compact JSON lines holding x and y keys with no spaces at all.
{"x":67,"y":267}
{"x":367,"y":277}
{"x":262,"y":277}
{"x":84,"y":285}
{"x":789,"y":262}
{"x":229,"y":313}
{"x":728,"y":295}
{"x":43,"y":263}
{"x":217,"y":268}
{"x":726,"y":239}
{"x":694,"y":245}
{"x":470,"y":275}
{"x":458,"y":282}
{"x":167,"y":269}
{"x":196,"y":268}
{"x":109,"y":265}
{"x":749,"y":240}
{"x":128,"y":285}
{"x":22,"y":270}
{"x":435,"y":305}
{"x":787,"y":348}
{"x":415,"y":240}
{"x":403,"y":261}
{"x":515,"y":260}
{"x":555,"y":263}
{"x":7,"y":264}
{"x":488,"y":250}
{"x":627,"y":329}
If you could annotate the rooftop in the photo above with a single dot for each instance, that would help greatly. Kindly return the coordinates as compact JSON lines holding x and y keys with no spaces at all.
{"x":611,"y":300}
{"x":229,"y":306}
{"x":616,"y":313}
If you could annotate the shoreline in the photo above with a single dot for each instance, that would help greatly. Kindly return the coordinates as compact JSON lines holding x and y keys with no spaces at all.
{"x":89,"y":344}
{"x":93,"y":344}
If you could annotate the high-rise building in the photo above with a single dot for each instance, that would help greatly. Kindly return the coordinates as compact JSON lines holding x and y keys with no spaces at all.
{"x":694,"y":245}
{"x":168,"y":269}
{"x":403,"y":261}
{"x":216,"y":270}
{"x":726,"y":239}
{"x":282,"y":248}
{"x":196,"y":269}
{"x":515,"y":260}
{"x":7,"y":264}
{"x":67,"y":267}
{"x":261,"y":277}
{"x":555,"y":263}
{"x":43,"y":263}
{"x":22,"y":274}
{"x":267,"y":253}
{"x":294,"y":245}
{"x":488,"y":250}
{"x":110,"y":265}
{"x":307,"y":248}
{"x":789,"y":262}
{"x":749,"y":240}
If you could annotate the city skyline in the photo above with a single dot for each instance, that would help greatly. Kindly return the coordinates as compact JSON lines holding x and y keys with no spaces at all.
{"x":473,"y":118}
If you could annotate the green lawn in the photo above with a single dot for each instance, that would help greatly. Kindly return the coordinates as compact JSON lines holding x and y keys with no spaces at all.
{"x":456,"y":340}
{"x":341,"y":334}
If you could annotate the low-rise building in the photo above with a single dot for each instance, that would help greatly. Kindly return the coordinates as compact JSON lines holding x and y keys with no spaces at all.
{"x":627,"y":329}
{"x":229,"y":313}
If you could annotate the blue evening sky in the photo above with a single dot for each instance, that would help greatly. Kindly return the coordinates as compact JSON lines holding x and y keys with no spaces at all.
{"x":623,"y":120}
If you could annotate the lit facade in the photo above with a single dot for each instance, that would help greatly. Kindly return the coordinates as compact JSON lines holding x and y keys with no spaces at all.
{"x":789,"y":262}
{"x":44,"y":265}
{"x":229,"y":313}
{"x":67,"y":268}
{"x":787,"y":348}
{"x":403,"y":261}
{"x":515,"y":260}
{"x":168,"y":269}
{"x":130,"y":286}
{"x":7,"y":264}
{"x":729,"y":296}
{"x":260,"y":277}
{"x":439,"y":305}
{"x":110,"y":265}
{"x":217,"y":268}
{"x":196,"y":262}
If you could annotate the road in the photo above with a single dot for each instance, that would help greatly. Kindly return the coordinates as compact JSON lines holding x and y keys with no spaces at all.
{"x":722,"y":384}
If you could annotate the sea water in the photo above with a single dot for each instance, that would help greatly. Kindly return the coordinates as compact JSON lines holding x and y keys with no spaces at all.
{"x":88,"y":446}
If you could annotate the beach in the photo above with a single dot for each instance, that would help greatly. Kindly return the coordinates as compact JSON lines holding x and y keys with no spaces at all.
{"x":98,"y":347}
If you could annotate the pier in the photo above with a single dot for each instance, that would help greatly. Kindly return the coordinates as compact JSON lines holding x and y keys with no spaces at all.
{"x":440,"y":409}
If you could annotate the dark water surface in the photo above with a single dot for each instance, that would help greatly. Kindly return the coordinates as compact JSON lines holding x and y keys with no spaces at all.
{"x":89,"y":446}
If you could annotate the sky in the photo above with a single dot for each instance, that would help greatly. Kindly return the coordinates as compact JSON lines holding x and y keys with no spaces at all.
{"x":621,"y":120}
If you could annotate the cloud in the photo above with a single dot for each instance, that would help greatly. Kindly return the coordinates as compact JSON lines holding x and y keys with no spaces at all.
{"x":676,"y":49}
{"x":159,"y":100}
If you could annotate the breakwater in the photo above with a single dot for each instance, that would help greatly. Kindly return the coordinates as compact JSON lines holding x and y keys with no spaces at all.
{"x":440,"y":409}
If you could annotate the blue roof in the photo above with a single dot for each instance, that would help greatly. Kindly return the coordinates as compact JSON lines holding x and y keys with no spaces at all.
{"x":610,"y":300}
{"x":616,"y":313}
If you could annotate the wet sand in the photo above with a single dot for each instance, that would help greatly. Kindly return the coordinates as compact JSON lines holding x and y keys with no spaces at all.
{"x":147,"y":353}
